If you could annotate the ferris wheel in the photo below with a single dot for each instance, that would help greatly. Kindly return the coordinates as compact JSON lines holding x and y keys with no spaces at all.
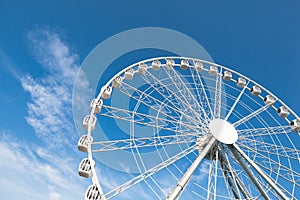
{"x":191,"y":129}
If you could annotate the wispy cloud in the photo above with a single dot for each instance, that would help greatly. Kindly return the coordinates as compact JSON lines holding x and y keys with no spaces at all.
{"x":202,"y":171}
{"x":48,"y":169}
{"x":50,"y":108}
{"x":54,"y":54}
{"x":30,"y":176}
{"x":52,"y":164}
{"x":7,"y":64}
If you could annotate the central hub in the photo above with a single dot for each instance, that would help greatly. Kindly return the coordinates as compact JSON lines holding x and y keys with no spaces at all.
{"x":223,"y":131}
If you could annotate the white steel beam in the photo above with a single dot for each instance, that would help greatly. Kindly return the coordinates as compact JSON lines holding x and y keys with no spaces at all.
{"x":236,"y":101}
{"x":238,"y":157}
{"x":116,"y":191}
{"x":261,"y":172}
{"x":234,"y":176}
{"x":251,"y":115}
{"x":218,"y":96}
{"x":231,"y":185}
{"x":188,"y":174}
{"x":112,"y":145}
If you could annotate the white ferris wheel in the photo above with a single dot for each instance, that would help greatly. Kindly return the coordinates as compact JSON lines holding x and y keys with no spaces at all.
{"x":192,"y":129}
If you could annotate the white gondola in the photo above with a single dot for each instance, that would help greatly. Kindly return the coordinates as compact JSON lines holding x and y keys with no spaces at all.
{"x":142,"y":68}
{"x":117,"y":82}
{"x":184,"y":64}
{"x":269,"y":100}
{"x":129,"y":74}
{"x":89,"y":120}
{"x":107,"y":92}
{"x":156,"y":65}
{"x":85,"y":169}
{"x":295,"y":125}
{"x":227,"y":76}
{"x":213,"y":70}
{"x":96,"y":104}
{"x":170,"y":63}
{"x":199,"y":66}
{"x":241,"y":82}
{"x":83,"y":143}
{"x":255,"y":90}
{"x":283,"y":112}
{"x":92,"y":193}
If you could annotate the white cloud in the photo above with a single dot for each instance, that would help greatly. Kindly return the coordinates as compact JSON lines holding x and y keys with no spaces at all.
{"x":28,"y":176}
{"x":202,"y":171}
{"x":54,"y":54}
{"x":53,"y":195}
{"x":50,"y":108}
{"x":7,"y":64}
{"x":47,"y":170}
{"x":50,"y":171}
{"x":49,"y":111}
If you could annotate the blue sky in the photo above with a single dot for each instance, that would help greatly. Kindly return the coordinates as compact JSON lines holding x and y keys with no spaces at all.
{"x":43,"y":44}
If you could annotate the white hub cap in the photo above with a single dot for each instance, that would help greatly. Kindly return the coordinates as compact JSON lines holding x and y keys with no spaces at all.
{"x":223,"y":131}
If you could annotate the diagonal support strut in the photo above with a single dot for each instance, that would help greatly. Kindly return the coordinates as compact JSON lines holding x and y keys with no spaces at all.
{"x":188,"y":174}
{"x":238,"y":157}
{"x":226,"y":165}
{"x":260,"y":172}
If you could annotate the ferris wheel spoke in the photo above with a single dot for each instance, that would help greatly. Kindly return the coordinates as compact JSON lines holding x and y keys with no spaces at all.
{"x":270,"y":148}
{"x":113,"y":145}
{"x":265,"y":131}
{"x":289,"y":179}
{"x":198,"y":81}
{"x":199,"y":90}
{"x":188,"y":112}
{"x":282,"y":174}
{"x":144,"y":119}
{"x":137,"y":156}
{"x":147,"y":99}
{"x":251,"y":115}
{"x":149,"y":172}
{"x":186,"y":141}
{"x":236,"y":101}
{"x":188,"y":174}
{"x":273,"y":166}
{"x":148,"y":77}
{"x":238,"y":153}
{"x":218,"y":96}
{"x":167,"y":155}
{"x":182,"y":99}
{"x":185,"y":92}
{"x":202,"y":188}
